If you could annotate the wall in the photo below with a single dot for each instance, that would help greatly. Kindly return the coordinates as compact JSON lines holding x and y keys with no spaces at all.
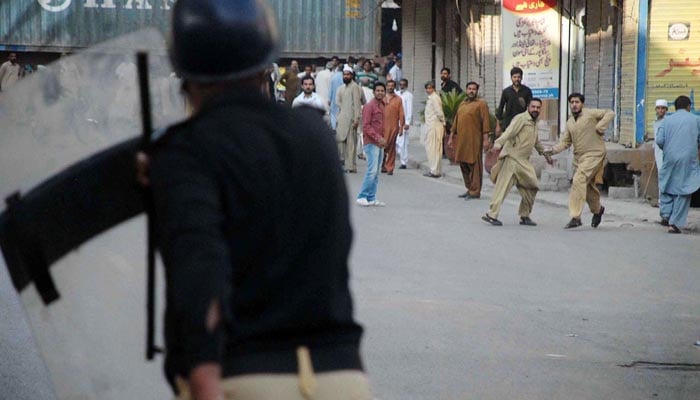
{"x":417,"y":50}
{"x":600,"y":55}
{"x":468,"y":42}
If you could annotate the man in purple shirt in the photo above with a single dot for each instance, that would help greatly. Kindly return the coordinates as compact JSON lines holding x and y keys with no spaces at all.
{"x":373,"y":138}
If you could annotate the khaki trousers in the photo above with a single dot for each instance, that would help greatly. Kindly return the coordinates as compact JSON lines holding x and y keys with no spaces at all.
{"x":521,"y":174}
{"x":337,"y":385}
{"x":348,"y":150}
{"x":589,"y":172}
{"x":433,"y":148}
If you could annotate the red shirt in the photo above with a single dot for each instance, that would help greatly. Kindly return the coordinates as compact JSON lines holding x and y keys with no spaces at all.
{"x":373,"y":122}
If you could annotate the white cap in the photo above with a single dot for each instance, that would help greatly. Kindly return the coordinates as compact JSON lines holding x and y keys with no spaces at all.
{"x":347,"y":68}
{"x":661,"y":103}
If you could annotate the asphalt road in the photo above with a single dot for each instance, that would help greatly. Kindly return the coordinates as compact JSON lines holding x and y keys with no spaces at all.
{"x":457,"y":309}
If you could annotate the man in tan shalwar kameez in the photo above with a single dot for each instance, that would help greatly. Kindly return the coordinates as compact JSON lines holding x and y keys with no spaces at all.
{"x":515,"y":168}
{"x":471,"y":127}
{"x":349,"y":100}
{"x":394,"y":120}
{"x":585,"y":130}
{"x":433,"y":131}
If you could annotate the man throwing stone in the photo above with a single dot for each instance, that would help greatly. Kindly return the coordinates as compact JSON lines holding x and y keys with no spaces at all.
{"x":585,"y":130}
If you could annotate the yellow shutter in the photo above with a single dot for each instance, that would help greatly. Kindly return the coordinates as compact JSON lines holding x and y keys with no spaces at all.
{"x":674,"y":54}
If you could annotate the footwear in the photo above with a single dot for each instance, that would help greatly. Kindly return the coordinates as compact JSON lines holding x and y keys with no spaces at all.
{"x":470,"y":197}
{"x":390,"y":173}
{"x":403,"y":166}
{"x":352,"y":171}
{"x":463,"y":195}
{"x":527,"y":221}
{"x":361,"y":157}
{"x":595,"y":221}
{"x":362,"y":202}
{"x":575,"y":222}
{"x":664,"y":221}
{"x":673,"y":229}
{"x":431,"y":175}
{"x":383,"y":171}
{"x":491,"y":220}
{"x":377,"y":203}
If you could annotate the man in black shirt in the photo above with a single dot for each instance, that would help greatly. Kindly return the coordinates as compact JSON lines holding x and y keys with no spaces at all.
{"x":514,"y":100}
{"x":447,"y":85}
{"x":252,"y":222}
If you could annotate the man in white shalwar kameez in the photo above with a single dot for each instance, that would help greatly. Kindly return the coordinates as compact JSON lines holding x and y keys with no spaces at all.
{"x":433,"y":131}
{"x":402,"y":141}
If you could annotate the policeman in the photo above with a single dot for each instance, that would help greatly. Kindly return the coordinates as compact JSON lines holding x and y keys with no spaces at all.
{"x":252,"y":224}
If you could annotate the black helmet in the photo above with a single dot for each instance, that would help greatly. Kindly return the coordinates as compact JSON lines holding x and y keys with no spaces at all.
{"x":214,"y":40}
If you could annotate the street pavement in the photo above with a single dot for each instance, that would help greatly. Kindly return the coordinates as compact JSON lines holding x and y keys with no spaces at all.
{"x":457,"y":309}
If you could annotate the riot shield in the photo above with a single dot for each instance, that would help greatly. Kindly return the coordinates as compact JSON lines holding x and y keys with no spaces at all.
{"x":71,"y":235}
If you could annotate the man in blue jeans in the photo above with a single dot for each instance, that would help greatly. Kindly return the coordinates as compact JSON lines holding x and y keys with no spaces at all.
{"x":373,"y":138}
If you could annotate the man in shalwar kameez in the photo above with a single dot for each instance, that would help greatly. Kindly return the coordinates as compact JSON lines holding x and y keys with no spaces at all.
{"x":585,"y":130}
{"x":394,"y":120}
{"x":516,"y":145}
{"x":471,"y":127}
{"x":349,"y":100}
{"x":679,"y":177}
{"x":433,"y":130}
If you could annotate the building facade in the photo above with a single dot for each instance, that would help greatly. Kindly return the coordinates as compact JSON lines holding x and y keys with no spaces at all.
{"x":621,"y":54}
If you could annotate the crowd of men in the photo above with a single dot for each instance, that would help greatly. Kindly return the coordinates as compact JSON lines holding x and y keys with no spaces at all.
{"x":342,"y":92}
{"x":361,"y":95}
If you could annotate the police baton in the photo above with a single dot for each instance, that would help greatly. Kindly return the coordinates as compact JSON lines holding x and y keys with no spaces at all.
{"x":145,"y":94}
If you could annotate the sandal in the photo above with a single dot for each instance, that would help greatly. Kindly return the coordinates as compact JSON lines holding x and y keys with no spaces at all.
{"x":673,"y":229}
{"x":491,"y":220}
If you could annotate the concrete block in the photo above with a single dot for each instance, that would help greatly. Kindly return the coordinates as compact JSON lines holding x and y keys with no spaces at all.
{"x":549,"y":187}
{"x":619,"y":192}
{"x":553,"y":175}
{"x":554,"y":180}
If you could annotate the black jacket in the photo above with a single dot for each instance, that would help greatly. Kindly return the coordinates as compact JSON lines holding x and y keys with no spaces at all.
{"x":512,"y":103}
{"x":252,"y":212}
{"x":451,"y":85}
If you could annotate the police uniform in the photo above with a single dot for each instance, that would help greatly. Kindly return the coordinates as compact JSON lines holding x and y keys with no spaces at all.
{"x":252,"y":219}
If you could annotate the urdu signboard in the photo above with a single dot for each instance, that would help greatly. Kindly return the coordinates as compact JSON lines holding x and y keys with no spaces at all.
{"x":531,"y":38}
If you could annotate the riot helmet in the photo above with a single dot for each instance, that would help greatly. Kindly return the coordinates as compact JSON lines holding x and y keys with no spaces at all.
{"x":218,"y":40}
